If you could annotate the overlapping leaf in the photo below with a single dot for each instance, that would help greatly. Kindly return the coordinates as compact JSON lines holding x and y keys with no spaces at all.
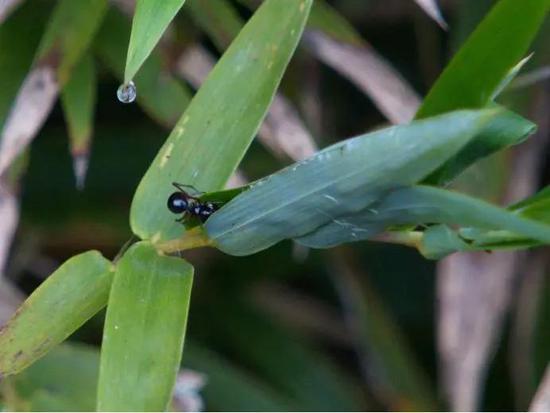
{"x":341,"y":180}
{"x":424,"y":205}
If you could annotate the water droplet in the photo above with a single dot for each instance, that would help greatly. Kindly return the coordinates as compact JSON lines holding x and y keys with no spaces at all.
{"x":127,"y":92}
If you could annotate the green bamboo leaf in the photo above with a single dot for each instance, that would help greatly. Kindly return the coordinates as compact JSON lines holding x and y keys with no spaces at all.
{"x":220,"y":20}
{"x":151,"y":19}
{"x":510,"y":76}
{"x":535,"y":207}
{"x":19,"y":38}
{"x":424,"y":205}
{"x":325,"y":18}
{"x":144,"y":330}
{"x":229,"y":388}
{"x":71,"y":295}
{"x":339,"y":181}
{"x":506,"y":130}
{"x":476,"y":71}
{"x":63,"y":380}
{"x":212,"y":136}
{"x":70,"y":31}
{"x":78,"y":101}
{"x":160,"y":94}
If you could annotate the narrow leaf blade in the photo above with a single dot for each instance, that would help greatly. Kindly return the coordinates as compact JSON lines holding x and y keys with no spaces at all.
{"x":78,"y":101}
{"x":71,"y":295}
{"x":159,"y":94}
{"x":423,"y":205}
{"x":70,"y":32}
{"x":476,"y":71}
{"x":502,"y":132}
{"x":151,"y":19}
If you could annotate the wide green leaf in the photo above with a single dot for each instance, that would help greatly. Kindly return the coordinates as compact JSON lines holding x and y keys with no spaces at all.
{"x":78,"y":101}
{"x":339,"y":181}
{"x":212,"y":136}
{"x":70,"y":31}
{"x":282,"y":131}
{"x":144,"y":330}
{"x":71,"y":295}
{"x":494,"y":48}
{"x":159,"y":94}
{"x":151,"y":19}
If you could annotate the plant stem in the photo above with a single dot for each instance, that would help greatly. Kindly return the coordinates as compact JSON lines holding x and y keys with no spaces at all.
{"x":193,"y":238}
{"x":408,"y":238}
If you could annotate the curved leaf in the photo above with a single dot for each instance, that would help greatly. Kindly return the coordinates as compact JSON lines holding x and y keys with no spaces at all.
{"x":71,"y":295}
{"x":478,"y":69}
{"x":339,"y":181}
{"x":424,"y":205}
{"x":504,"y":131}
